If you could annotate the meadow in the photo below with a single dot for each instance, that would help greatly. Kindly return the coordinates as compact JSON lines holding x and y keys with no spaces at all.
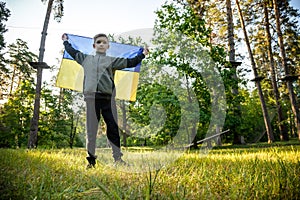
{"x":246,"y":172}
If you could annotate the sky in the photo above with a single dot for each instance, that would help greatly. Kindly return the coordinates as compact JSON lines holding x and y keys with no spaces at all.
{"x":86,"y":19}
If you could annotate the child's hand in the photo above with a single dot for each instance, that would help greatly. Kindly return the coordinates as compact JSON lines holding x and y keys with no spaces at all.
{"x":64,"y":37}
{"x":146,"y":51}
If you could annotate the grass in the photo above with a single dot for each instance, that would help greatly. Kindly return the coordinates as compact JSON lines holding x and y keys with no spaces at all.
{"x":264,"y":172}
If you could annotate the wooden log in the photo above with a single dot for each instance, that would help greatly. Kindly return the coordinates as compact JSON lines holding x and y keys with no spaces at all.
{"x":208,"y":138}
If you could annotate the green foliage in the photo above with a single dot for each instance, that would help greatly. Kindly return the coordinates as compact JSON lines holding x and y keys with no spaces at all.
{"x":59,"y":125}
{"x":151,"y":98}
{"x":15,"y":117}
{"x":291,"y":32}
{"x":185,"y":50}
{"x":59,"y":122}
{"x":18,"y":89}
{"x":55,"y":122}
{"x":175,"y":17}
{"x":4,"y":15}
{"x":182,"y":40}
{"x":19,"y":58}
{"x":252,"y":126}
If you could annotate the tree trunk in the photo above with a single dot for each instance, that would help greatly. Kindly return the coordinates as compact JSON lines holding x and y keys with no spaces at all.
{"x":230,"y":31}
{"x":236,"y":108}
{"x":71,"y":142}
{"x":257,"y":79}
{"x":193,"y":134}
{"x":73,"y":130}
{"x":32,"y":140}
{"x":282,"y":127}
{"x":218,"y":139}
{"x":12,"y":81}
{"x":292,"y":96}
{"x":194,"y":138}
{"x":124,"y":131}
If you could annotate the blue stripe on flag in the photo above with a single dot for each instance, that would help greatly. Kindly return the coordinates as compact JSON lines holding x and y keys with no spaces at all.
{"x":85,"y":45}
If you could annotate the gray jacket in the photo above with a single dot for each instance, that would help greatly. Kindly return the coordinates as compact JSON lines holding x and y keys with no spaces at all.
{"x":99,"y":69}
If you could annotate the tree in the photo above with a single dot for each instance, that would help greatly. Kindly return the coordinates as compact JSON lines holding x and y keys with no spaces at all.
{"x":285,"y":66}
{"x":157,"y":112}
{"x":16,"y":112}
{"x":4,"y":15}
{"x":281,"y":119}
{"x":257,"y":79}
{"x":183,"y":42}
{"x":235,"y":128}
{"x":222,"y":34}
{"x":32,"y":139}
{"x":20,"y":70}
{"x":254,"y":15}
{"x":15,"y":116}
{"x":252,"y":126}
{"x":60,"y":120}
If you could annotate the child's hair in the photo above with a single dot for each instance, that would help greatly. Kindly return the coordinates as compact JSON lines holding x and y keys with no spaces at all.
{"x":100,"y":35}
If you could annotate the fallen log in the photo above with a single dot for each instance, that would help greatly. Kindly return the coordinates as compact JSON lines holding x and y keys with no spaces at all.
{"x":207,"y":138}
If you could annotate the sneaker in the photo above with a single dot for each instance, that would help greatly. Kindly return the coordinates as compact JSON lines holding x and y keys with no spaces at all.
{"x":89,"y":166}
{"x":92,"y":162}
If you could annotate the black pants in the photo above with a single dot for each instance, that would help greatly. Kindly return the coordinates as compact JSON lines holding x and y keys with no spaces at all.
{"x":95,"y":107}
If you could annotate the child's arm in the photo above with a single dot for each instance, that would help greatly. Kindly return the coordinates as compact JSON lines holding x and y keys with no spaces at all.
{"x":121,"y":63}
{"x":132,"y":62}
{"x":68,"y":46}
{"x":74,"y":53}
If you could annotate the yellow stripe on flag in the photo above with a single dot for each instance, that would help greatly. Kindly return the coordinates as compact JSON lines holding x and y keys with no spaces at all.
{"x":70,"y":75}
{"x":126,"y":84}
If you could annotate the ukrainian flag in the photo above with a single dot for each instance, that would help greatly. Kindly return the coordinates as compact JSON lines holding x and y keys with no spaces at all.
{"x":71,"y":74}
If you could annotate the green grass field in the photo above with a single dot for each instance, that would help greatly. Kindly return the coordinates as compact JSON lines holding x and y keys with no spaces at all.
{"x":250,"y":172}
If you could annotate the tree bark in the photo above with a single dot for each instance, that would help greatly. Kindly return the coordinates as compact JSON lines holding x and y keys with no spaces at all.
{"x":231,"y":46}
{"x":73,"y":130}
{"x":193,"y":134}
{"x":32,"y":140}
{"x":12,"y":81}
{"x":230,"y":31}
{"x":124,"y":119}
{"x":256,"y":79}
{"x":289,"y":83}
{"x":282,"y":127}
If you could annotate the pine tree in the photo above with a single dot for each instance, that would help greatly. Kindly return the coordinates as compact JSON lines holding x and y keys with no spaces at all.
{"x":281,"y":119}
{"x":4,"y":15}
{"x":284,"y":62}
{"x":257,"y":79}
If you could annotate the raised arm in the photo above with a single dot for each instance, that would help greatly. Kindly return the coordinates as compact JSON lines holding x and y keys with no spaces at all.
{"x":74,"y":53}
{"x":120,"y":63}
{"x":132,"y":62}
{"x":68,"y":46}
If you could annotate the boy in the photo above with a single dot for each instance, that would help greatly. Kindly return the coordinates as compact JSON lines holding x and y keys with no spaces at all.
{"x":99,"y":92}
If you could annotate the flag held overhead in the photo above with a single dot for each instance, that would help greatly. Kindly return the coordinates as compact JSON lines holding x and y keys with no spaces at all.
{"x":71,"y":74}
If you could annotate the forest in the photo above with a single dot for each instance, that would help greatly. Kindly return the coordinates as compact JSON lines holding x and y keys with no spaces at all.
{"x":231,"y":65}
{"x":216,"y":114}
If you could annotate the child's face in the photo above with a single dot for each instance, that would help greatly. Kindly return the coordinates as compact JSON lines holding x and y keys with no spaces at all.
{"x":101,"y":44}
